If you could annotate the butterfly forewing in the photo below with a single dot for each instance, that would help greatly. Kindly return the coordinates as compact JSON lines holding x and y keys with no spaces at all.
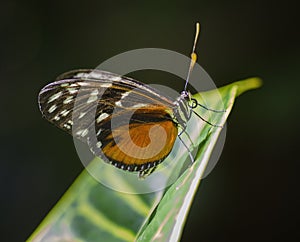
{"x":57,"y":99}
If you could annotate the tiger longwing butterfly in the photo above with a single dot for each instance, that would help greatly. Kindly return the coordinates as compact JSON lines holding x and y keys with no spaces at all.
{"x":148,"y":109}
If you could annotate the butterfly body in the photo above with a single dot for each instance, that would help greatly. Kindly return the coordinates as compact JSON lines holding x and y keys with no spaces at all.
{"x":127,"y":123}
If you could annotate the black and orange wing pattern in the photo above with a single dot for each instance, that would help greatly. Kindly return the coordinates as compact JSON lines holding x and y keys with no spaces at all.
{"x":121,"y":119}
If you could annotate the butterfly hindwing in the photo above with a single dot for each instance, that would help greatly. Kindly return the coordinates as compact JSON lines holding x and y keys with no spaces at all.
{"x":139,"y":140}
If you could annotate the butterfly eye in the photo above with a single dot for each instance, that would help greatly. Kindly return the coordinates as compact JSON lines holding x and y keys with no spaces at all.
{"x":193,"y":103}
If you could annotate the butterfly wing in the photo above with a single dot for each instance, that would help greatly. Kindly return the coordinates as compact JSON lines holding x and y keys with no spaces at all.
{"x":57,"y":99}
{"x":119,"y":111}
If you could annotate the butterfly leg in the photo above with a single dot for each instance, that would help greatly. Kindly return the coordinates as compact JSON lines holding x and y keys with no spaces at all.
{"x":187,"y":148}
{"x":211,"y":124}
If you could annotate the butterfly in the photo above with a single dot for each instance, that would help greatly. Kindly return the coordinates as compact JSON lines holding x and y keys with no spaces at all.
{"x":121,"y":119}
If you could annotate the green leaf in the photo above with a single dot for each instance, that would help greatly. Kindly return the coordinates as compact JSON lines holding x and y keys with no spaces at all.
{"x":90,"y":211}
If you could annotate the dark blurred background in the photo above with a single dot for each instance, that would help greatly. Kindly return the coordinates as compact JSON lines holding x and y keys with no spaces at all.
{"x":251,"y":195}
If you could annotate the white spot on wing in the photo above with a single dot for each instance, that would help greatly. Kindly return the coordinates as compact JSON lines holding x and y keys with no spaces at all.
{"x":79,"y":132}
{"x":92,"y":98}
{"x":99,"y":131}
{"x":72,"y":90}
{"x":99,"y":144}
{"x":125,"y":94}
{"x":82,"y":132}
{"x":81,"y":115}
{"x":139,"y":105}
{"x":64,"y":84}
{"x":68,"y":100}
{"x":106,"y":85}
{"x":64,"y":113}
{"x":83,"y":84}
{"x":119,"y":104}
{"x":101,"y":117}
{"x":56,"y":118}
{"x":67,"y":126}
{"x":52,"y":108}
{"x":54,"y":96}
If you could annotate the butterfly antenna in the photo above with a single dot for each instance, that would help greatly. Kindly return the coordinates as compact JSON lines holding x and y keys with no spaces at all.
{"x":193,"y":56}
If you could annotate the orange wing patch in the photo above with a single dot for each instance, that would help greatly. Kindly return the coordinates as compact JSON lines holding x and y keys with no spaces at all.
{"x":141,"y":143}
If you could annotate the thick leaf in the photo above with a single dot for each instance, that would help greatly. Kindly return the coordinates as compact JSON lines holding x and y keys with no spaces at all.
{"x":90,"y":211}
